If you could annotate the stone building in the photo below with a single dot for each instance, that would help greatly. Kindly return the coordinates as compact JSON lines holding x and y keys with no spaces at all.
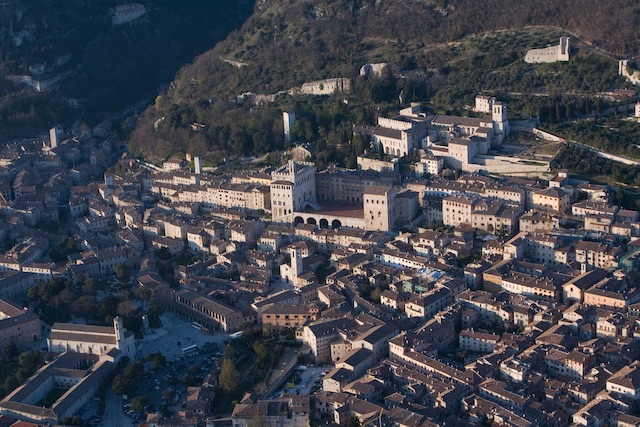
{"x":293,"y":187}
{"x":18,"y":325}
{"x":91,"y":339}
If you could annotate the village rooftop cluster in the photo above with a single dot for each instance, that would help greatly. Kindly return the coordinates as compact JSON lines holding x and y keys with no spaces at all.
{"x":427,"y":300}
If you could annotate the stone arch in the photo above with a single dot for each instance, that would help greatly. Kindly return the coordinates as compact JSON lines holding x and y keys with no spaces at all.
{"x":324,"y":223}
{"x":298,"y":220}
{"x":336,"y":223}
{"x":311,"y":221}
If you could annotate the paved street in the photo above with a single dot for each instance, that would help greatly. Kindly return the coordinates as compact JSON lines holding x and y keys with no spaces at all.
{"x":113,"y":415}
{"x":280,"y":285}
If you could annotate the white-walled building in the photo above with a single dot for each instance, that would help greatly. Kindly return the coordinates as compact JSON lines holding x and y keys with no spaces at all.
{"x":558,"y":53}
{"x":91,"y":339}
{"x":403,"y":134}
{"x":293,"y":188}
{"x":288,"y":119}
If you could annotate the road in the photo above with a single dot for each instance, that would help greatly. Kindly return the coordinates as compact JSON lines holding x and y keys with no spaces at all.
{"x":597,"y":152}
{"x":603,"y":154}
{"x":113,"y":415}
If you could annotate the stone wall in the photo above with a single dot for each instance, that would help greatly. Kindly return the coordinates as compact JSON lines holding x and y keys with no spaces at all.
{"x":547,"y":136}
{"x":549,"y":54}
{"x":325,"y":87}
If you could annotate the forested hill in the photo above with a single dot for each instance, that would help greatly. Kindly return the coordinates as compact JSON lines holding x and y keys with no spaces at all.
{"x":105,"y":67}
{"x":288,"y":42}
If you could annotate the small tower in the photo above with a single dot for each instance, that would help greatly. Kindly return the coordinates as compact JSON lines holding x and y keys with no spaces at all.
{"x":126,"y":344}
{"x":500,"y":122}
{"x":197,"y":165}
{"x":296,"y":261}
{"x":499,"y":112}
{"x":109,"y":180}
{"x":53,"y":137}
{"x":563,"y":49}
{"x":118,"y":326}
{"x":289,"y":119}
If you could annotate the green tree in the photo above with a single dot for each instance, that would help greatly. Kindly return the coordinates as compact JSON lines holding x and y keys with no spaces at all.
{"x":262,"y":351}
{"x":143,"y":294}
{"x":154,"y":312}
{"x":158,"y":359}
{"x":139,"y":403}
{"x":30,"y":361}
{"x":10,"y":351}
{"x":168,"y":394}
{"x":11,"y":383}
{"x":191,"y":380}
{"x":134,"y":370}
{"x":229,"y":351}
{"x":620,"y":195}
{"x":247,"y":330}
{"x":228,"y":378}
{"x":90,"y":286}
{"x":123,"y":385}
{"x":122,"y":271}
{"x":375,"y":294}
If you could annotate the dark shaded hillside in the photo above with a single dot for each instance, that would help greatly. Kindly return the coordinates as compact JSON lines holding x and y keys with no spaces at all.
{"x":108,"y":67}
{"x":286,"y":43}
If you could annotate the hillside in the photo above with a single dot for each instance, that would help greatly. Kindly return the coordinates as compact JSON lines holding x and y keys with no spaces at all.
{"x":104,"y":67}
{"x":459,"y":48}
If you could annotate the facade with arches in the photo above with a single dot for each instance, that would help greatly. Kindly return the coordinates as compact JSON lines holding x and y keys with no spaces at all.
{"x":325,"y":220}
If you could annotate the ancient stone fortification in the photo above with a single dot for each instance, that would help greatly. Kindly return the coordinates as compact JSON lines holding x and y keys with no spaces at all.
{"x":549,"y":54}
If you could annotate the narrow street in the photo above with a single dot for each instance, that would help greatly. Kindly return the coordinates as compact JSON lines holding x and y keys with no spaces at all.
{"x":113,"y":415}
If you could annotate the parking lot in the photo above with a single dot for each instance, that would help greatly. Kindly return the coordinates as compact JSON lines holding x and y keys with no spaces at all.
{"x":175,"y":334}
{"x":310,"y":379}
{"x":171,"y":377}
